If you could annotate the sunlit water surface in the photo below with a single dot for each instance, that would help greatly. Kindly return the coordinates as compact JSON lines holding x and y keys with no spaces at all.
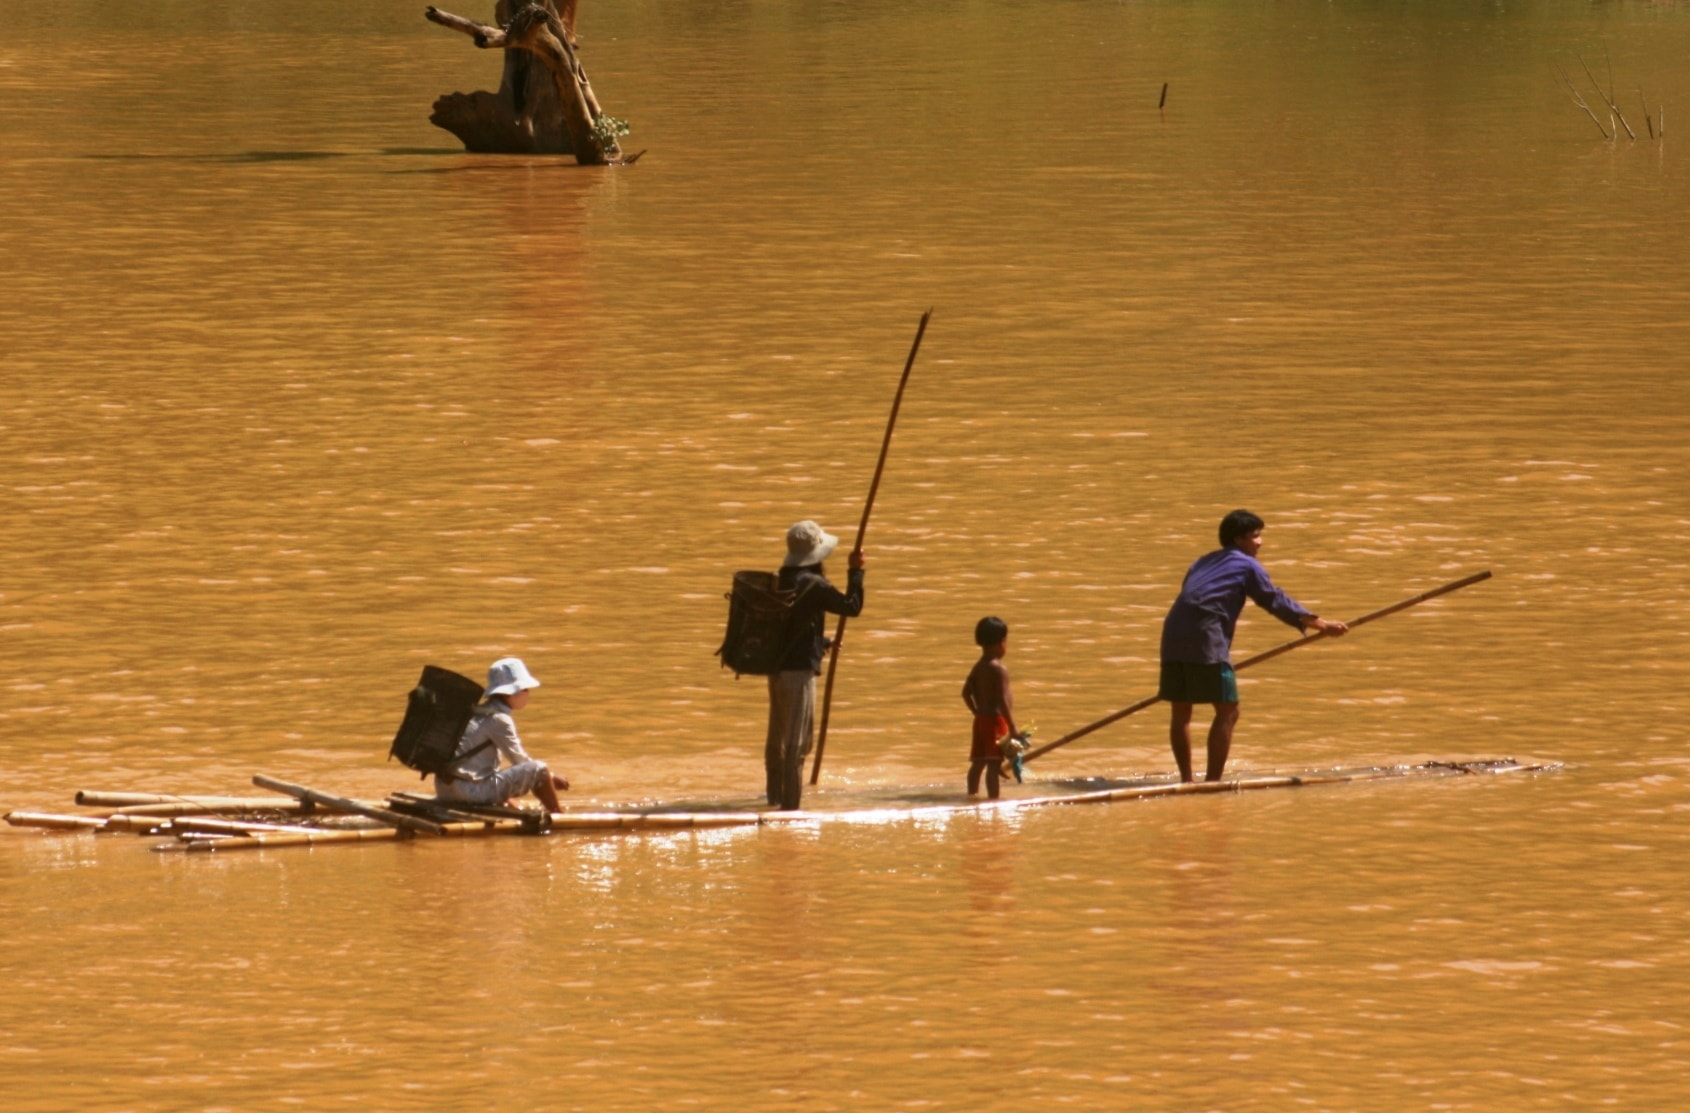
{"x":295,"y":398}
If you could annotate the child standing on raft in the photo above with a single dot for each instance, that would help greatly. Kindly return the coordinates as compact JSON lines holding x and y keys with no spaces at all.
{"x":987,"y":694}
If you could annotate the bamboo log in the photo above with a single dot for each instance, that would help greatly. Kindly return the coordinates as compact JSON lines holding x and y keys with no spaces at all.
{"x":135,"y":824}
{"x":473,"y":828}
{"x":262,"y":841}
{"x":51,"y":822}
{"x":204,"y":824}
{"x":259,"y":842}
{"x":89,"y":799}
{"x":341,"y":804}
{"x":163,"y":825}
{"x":413,"y":803}
{"x":180,"y":808}
{"x":438,"y":813}
{"x":125,"y":800}
{"x":650,"y":821}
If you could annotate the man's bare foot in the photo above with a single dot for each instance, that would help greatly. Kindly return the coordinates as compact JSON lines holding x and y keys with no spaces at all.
{"x":560,"y":783}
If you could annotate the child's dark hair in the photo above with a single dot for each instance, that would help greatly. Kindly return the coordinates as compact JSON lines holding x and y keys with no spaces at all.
{"x":1238,"y":524}
{"x":990,"y":631}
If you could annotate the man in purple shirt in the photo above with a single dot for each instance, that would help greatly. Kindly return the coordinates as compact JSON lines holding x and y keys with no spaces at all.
{"x":1197,"y":636}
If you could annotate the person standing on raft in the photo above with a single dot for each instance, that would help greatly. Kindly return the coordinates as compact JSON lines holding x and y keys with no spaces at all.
{"x":1197,"y":637}
{"x":491,"y":735}
{"x":792,"y":689}
{"x":988,"y":696}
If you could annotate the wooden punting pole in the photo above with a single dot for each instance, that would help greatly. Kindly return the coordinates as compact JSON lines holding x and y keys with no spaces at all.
{"x":1266,"y":655}
{"x":857,"y":547}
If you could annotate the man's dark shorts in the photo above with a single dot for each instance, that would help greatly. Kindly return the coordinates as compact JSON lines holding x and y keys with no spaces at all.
{"x":1185,"y":683}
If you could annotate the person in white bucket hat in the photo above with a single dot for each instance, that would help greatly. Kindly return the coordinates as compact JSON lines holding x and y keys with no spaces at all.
{"x":792,"y":690}
{"x":491,"y":735}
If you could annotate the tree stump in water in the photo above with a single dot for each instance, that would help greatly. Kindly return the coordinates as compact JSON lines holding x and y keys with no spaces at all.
{"x":547,"y":108}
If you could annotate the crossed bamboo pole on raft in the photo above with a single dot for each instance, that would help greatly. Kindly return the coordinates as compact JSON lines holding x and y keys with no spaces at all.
{"x":1266,"y":655}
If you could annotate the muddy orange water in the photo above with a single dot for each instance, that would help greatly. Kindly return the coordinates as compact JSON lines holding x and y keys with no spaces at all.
{"x":296,"y":397}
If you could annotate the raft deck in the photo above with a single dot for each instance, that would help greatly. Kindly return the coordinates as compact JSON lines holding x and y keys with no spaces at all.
{"x":308,"y":817}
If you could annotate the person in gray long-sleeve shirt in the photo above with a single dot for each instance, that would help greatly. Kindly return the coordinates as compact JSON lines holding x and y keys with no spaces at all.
{"x":1197,"y":637}
{"x":475,"y":777}
{"x":792,"y":690}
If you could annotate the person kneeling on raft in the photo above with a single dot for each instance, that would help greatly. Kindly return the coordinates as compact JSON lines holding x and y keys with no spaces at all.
{"x":491,"y":735}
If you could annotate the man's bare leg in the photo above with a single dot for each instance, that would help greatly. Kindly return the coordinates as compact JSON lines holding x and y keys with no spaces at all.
{"x":1179,"y":737}
{"x":1220,"y":739}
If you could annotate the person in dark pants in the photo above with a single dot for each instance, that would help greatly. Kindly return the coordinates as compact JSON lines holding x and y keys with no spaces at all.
{"x":792,"y":690}
{"x":1197,"y":637}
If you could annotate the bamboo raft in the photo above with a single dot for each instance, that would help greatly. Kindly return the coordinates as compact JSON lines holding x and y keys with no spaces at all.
{"x":301,"y":816}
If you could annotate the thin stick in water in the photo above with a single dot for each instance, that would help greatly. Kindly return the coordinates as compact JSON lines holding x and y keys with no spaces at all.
{"x":1579,"y":100}
{"x":1612,"y":107}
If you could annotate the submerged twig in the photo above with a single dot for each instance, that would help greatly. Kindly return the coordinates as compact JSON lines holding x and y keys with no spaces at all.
{"x":1650,"y":124}
{"x":1612,"y":107}
{"x":1579,"y":100}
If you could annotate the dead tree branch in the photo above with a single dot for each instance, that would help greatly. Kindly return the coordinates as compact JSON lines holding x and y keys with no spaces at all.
{"x":502,"y":121}
{"x":1609,"y":100}
{"x":1579,"y":100}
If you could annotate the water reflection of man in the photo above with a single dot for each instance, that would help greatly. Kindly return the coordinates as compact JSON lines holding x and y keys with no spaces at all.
{"x":1197,"y":637}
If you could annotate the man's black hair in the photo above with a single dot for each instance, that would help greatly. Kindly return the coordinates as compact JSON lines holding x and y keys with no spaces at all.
{"x":990,"y":631}
{"x":1238,"y":524}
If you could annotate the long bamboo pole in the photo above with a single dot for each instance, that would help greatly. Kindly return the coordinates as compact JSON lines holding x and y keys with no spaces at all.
{"x":53,"y":822}
{"x":208,"y":825}
{"x":166,"y":811}
{"x":92,"y":799}
{"x":341,"y":804}
{"x":1266,"y":655}
{"x":862,"y":529}
{"x":650,"y":821}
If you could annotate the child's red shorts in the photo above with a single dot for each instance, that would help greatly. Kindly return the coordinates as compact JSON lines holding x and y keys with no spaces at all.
{"x":987,"y":730}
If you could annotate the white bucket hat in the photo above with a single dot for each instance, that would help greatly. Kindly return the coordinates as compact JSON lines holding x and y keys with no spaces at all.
{"x":508,"y":676}
{"x":807,"y":544}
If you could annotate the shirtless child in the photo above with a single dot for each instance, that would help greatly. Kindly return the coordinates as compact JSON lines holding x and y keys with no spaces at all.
{"x":987,"y":694}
